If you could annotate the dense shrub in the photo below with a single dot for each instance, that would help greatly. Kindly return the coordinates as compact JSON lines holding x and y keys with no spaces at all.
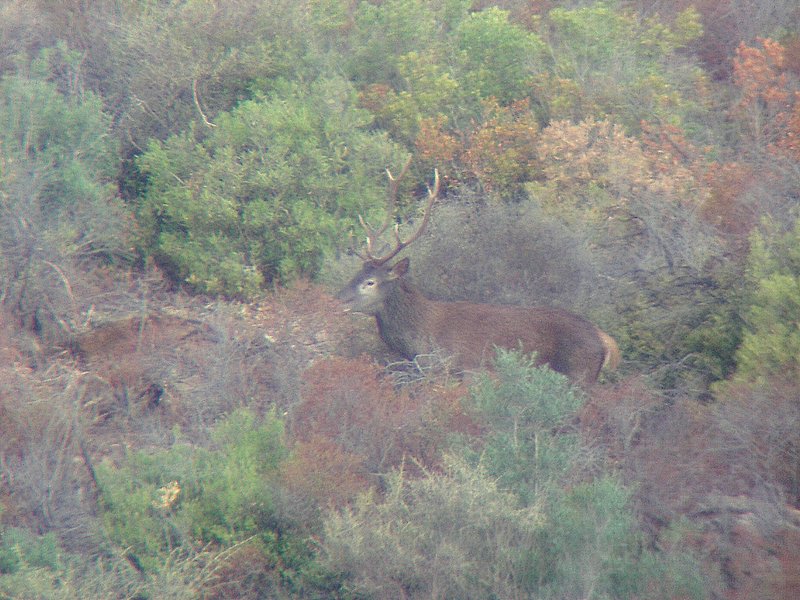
{"x":503,"y":254}
{"x":58,"y":211}
{"x":180,"y":499}
{"x":515,"y":518}
{"x":605,"y":61}
{"x":450,"y":535}
{"x":496,"y":57}
{"x":353,"y":404}
{"x":265,"y":193}
{"x":521,"y":410}
{"x":771,"y":340}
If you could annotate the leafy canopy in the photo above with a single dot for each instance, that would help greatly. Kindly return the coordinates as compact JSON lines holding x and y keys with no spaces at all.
{"x":265,"y":193}
{"x":771,"y":339}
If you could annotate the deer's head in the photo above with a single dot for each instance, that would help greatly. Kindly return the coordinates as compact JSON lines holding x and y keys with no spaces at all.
{"x":367,"y":291}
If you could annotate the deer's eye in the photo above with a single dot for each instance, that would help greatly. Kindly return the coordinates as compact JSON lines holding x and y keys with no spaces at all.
{"x":369,"y":282}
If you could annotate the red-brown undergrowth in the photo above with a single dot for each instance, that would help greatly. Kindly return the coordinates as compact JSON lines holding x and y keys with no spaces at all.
{"x":352,"y":403}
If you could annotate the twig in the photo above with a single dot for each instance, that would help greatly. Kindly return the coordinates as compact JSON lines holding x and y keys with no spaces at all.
{"x":197,"y":104}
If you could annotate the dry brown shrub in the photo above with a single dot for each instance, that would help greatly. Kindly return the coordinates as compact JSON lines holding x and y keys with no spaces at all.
{"x":616,"y":416}
{"x":319,"y":470}
{"x":661,"y":447}
{"x":758,"y":433}
{"x":684,"y":457}
{"x":349,"y":402}
{"x":46,"y":474}
{"x":302,"y":319}
{"x":353,"y":403}
{"x":726,"y":207}
{"x":126,"y":361}
{"x":241,"y":573}
{"x":727,"y":467}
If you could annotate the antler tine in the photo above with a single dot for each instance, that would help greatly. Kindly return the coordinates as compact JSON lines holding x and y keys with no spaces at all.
{"x":373,"y":234}
{"x":394,"y":183}
{"x":399,"y":244}
{"x":426,"y":215}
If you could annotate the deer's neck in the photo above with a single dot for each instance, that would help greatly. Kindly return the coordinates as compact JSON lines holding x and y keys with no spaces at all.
{"x":403,"y":320}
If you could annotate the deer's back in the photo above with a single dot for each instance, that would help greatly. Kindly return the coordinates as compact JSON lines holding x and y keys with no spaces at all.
{"x":567,"y":342}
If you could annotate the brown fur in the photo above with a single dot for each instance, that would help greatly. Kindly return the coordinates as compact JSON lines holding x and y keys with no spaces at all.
{"x":412,"y":324}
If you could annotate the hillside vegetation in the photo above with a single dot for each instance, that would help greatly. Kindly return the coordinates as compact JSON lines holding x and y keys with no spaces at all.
{"x":185,"y":411}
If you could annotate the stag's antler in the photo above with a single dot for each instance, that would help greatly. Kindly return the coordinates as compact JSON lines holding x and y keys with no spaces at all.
{"x":373,"y":234}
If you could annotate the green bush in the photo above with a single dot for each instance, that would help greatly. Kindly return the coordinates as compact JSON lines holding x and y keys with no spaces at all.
{"x":20,"y":548}
{"x":450,"y":535}
{"x":609,"y":62}
{"x":771,"y":339}
{"x":522,"y":409}
{"x":496,"y":57}
{"x":386,"y":32}
{"x":75,"y":576}
{"x":58,"y":208}
{"x":589,"y":542}
{"x":187,"y":497}
{"x":265,"y":193}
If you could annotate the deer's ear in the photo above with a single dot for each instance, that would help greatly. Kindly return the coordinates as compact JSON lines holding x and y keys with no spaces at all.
{"x":400,"y":268}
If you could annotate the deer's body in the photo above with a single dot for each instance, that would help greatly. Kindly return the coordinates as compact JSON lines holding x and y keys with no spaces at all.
{"x":411,"y":323}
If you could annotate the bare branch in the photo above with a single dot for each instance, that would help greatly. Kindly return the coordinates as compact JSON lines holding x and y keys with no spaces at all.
{"x":197,"y":104}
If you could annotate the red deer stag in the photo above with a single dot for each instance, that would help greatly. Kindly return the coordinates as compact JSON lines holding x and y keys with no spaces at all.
{"x":411,"y":324}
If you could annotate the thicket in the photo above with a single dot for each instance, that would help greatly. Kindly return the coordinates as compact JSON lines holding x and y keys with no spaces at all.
{"x":638,"y":167}
{"x":60,"y":212}
{"x":512,"y":513}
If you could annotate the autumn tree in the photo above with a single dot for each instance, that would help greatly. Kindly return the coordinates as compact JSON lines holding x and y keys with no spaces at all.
{"x":766,"y":97}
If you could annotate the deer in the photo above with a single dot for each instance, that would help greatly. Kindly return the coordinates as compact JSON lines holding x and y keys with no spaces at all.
{"x":412,"y":324}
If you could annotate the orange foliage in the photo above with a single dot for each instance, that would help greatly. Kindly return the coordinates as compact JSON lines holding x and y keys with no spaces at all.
{"x":375,"y":97}
{"x":321,"y":470}
{"x":770,"y":103}
{"x":720,"y":187}
{"x":502,"y":151}
{"x":350,"y":403}
{"x":434,"y":145}
{"x":668,"y":149}
{"x":757,"y":73}
{"x":593,"y":152}
{"x":724,"y":207}
{"x":594,"y":168}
